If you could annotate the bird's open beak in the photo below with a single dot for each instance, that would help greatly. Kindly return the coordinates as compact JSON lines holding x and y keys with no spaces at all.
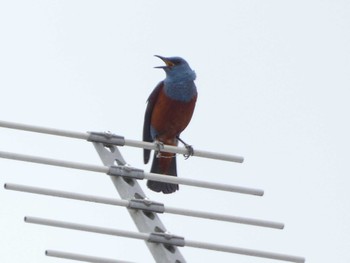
{"x":167,"y":62}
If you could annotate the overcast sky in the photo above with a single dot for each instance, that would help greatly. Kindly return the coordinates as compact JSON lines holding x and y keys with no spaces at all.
{"x":273,"y":81}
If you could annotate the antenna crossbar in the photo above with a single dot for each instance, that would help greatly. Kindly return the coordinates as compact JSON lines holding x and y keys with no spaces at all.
{"x":127,"y":203}
{"x":124,"y":169}
{"x":121,"y":141}
{"x":168,"y":239}
{"x":81,"y":257}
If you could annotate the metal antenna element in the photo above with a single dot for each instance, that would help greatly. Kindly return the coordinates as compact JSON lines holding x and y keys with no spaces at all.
{"x":129,"y":172}
{"x":111,"y":139}
{"x":163,"y":238}
{"x":144,"y":205}
{"x":80,"y":257}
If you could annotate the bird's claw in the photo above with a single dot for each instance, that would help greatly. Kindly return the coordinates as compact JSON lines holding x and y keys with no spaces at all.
{"x":159,"y":147}
{"x":190,"y":151}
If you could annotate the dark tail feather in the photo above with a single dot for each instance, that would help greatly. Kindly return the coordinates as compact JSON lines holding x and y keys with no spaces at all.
{"x":167,"y":166}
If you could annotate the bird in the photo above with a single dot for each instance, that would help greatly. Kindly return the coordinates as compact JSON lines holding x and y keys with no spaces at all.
{"x":169,"y":110}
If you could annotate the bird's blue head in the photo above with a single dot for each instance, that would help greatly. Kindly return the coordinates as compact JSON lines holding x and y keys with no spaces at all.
{"x":177,"y":69}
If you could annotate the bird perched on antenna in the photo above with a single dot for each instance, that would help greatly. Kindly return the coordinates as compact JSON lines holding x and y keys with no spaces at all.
{"x":169,"y":110}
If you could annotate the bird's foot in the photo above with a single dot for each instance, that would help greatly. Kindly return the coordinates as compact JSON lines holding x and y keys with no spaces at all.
{"x":190,"y":150}
{"x":159,"y":147}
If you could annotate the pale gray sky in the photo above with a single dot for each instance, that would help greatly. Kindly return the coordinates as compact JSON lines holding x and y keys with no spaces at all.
{"x":273,"y":83}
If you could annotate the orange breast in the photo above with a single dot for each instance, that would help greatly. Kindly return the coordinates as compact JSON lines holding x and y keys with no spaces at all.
{"x":171,"y":117}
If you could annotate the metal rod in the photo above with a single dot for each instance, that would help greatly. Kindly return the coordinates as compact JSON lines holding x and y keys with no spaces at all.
{"x":45,"y":130}
{"x":125,"y":203}
{"x":68,"y":195}
{"x":244,"y":251}
{"x":152,"y":176}
{"x":210,"y":185}
{"x":227,"y":218}
{"x":86,"y":228}
{"x":128,"y":142}
{"x":54,"y":162}
{"x":144,"y":236}
{"x":80,"y":257}
{"x":183,"y":150}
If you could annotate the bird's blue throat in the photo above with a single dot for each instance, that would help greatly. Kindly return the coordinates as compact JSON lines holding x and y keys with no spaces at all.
{"x":180,"y":85}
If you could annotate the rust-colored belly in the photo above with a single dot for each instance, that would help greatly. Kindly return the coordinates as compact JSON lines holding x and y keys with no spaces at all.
{"x":171,"y":117}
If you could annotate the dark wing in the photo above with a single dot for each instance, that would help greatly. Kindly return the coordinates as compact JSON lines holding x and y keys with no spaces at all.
{"x":147,"y":122}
